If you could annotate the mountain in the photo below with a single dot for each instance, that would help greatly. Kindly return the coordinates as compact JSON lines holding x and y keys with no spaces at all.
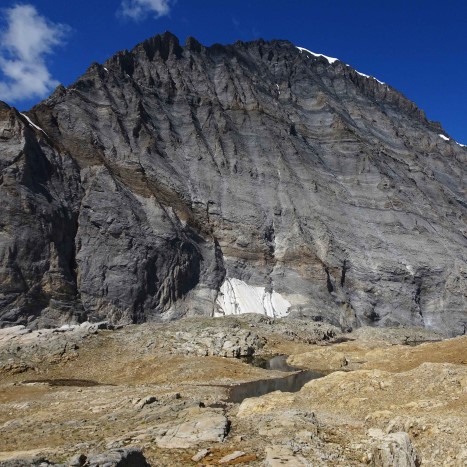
{"x":180,"y":180}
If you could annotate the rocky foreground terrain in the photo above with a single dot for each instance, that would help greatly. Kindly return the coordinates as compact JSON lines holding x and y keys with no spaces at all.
{"x":160,"y":394}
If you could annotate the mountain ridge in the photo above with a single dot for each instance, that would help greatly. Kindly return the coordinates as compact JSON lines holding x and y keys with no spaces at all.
{"x":184,"y":168}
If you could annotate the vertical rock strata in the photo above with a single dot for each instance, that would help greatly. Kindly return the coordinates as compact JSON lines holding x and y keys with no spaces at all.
{"x":164,"y":175}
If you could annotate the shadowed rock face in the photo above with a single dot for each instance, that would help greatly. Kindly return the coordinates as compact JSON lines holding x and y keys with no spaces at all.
{"x":168,"y":170}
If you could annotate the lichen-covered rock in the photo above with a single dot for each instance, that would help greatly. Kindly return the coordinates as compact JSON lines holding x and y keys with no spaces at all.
{"x":278,"y":455}
{"x":171,"y":172}
{"x":233,"y":344}
{"x":195,"y":429}
{"x":22,"y":348}
{"x":394,"y":449}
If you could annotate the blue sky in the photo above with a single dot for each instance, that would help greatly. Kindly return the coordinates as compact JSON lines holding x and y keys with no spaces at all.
{"x":418,"y":47}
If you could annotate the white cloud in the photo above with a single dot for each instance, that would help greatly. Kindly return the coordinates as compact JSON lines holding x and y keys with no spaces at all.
{"x":139,"y":9}
{"x":25,"y":40}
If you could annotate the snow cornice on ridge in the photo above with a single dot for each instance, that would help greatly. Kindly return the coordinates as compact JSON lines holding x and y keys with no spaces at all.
{"x":332,"y":60}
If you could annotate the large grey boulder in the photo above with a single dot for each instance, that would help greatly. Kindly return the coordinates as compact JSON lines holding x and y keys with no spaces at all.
{"x":175,"y":180}
{"x":128,"y":457}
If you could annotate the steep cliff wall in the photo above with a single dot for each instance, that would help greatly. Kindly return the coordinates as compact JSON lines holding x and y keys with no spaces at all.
{"x":173,"y":180}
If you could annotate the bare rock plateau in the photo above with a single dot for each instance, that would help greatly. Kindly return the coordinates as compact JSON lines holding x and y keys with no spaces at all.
{"x":138,"y":396}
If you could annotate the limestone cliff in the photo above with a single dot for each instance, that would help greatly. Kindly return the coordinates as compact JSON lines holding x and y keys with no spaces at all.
{"x":170,"y":177}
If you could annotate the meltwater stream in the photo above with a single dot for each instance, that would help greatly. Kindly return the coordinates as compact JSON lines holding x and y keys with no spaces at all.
{"x":290,"y":383}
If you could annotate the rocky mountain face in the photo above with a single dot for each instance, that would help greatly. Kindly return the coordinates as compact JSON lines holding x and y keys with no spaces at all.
{"x":255,"y":177}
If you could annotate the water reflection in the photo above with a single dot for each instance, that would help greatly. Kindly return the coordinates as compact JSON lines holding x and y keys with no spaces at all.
{"x":289,"y":383}
{"x":278,"y":363}
{"x":63,"y":382}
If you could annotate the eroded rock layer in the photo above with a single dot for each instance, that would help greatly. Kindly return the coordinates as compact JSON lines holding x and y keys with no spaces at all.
{"x":167,"y":174}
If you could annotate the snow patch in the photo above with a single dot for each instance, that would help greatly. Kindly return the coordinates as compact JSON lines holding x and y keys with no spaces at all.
{"x":329,"y":59}
{"x":369,"y":77}
{"x":409,"y":269}
{"x":33,"y":124}
{"x":449,"y":139}
{"x":106,"y":69}
{"x":237,"y":297}
{"x":332,"y":60}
